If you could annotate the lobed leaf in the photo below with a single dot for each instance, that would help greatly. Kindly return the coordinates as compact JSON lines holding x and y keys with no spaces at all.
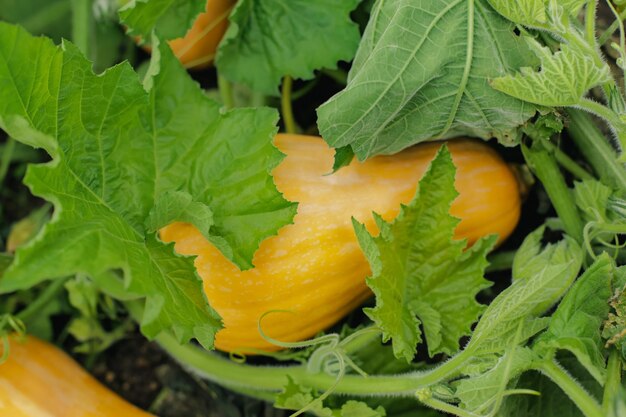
{"x":420,"y":275}
{"x":117,"y":151}
{"x":270,"y":39}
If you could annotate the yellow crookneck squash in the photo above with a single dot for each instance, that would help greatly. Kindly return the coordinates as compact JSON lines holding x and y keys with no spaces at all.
{"x":314,"y":267}
{"x":39,"y":380}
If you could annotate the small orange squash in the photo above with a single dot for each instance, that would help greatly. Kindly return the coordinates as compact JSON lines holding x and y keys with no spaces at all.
{"x":197,"y":48}
{"x":39,"y":380}
{"x":314,"y":267}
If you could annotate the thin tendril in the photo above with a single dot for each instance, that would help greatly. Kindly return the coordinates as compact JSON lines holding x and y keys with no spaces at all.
{"x":329,"y":391}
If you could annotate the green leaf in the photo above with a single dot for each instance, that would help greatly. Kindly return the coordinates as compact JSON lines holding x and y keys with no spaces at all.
{"x":576,"y":323}
{"x":269,"y":39}
{"x":170,"y":18}
{"x":176,"y":206}
{"x":295,"y":397}
{"x":420,"y":275}
{"x":563,"y":79}
{"x":485,"y":390}
{"x":116,"y":151}
{"x":525,"y":12}
{"x":592,"y":198}
{"x":536,"y":287}
{"x":415,"y":79}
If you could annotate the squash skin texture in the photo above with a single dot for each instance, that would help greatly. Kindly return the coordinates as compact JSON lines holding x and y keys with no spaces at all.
{"x":197,"y":48}
{"x":314,"y":268}
{"x":39,"y":380}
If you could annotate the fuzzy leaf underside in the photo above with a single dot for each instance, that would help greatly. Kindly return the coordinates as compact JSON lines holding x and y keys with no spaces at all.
{"x":563,"y":79}
{"x":415,"y":79}
{"x":116,"y":151}
{"x":276,"y":38}
{"x":420,"y":275}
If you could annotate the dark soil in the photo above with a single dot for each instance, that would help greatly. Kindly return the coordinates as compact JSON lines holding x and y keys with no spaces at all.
{"x":143,"y":374}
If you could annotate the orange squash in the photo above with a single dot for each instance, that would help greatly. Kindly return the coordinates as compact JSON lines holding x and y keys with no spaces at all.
{"x":39,"y":380}
{"x":197,"y":48}
{"x":315,"y":268}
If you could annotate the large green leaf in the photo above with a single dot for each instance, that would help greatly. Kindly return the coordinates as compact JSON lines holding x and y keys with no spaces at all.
{"x":170,"y":18}
{"x":269,"y":39}
{"x":117,"y":152}
{"x":422,"y":72}
{"x":419,"y":271}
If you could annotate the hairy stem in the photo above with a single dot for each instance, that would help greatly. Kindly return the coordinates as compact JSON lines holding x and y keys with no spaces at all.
{"x":286,"y":106}
{"x":82,"y":24}
{"x":611,"y":29}
{"x":594,"y":146}
{"x":583,"y":400}
{"x":7,"y":156}
{"x":613,"y":381}
{"x":568,"y":163}
{"x":545,"y":167}
{"x":238,"y":376}
{"x":226,"y":92}
{"x":40,"y":302}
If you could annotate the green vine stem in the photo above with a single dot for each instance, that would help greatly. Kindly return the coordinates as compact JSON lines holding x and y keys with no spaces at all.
{"x":543,"y":164}
{"x":40,"y":302}
{"x":82,"y":25}
{"x":7,"y":156}
{"x":585,"y":402}
{"x":594,"y":146}
{"x":238,"y":376}
{"x":605,"y":113}
{"x":611,"y":29}
{"x":226,"y":92}
{"x":286,"y":106}
{"x":568,"y":163}
{"x":613,"y":381}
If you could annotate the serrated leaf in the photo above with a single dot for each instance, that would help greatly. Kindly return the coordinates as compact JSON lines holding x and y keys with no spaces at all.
{"x":541,"y":284}
{"x":576,"y":323}
{"x":415,"y":79}
{"x":420,"y":275}
{"x":480,"y":392}
{"x":170,"y":18}
{"x":117,"y":150}
{"x":269,"y":39}
{"x":563,"y":79}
